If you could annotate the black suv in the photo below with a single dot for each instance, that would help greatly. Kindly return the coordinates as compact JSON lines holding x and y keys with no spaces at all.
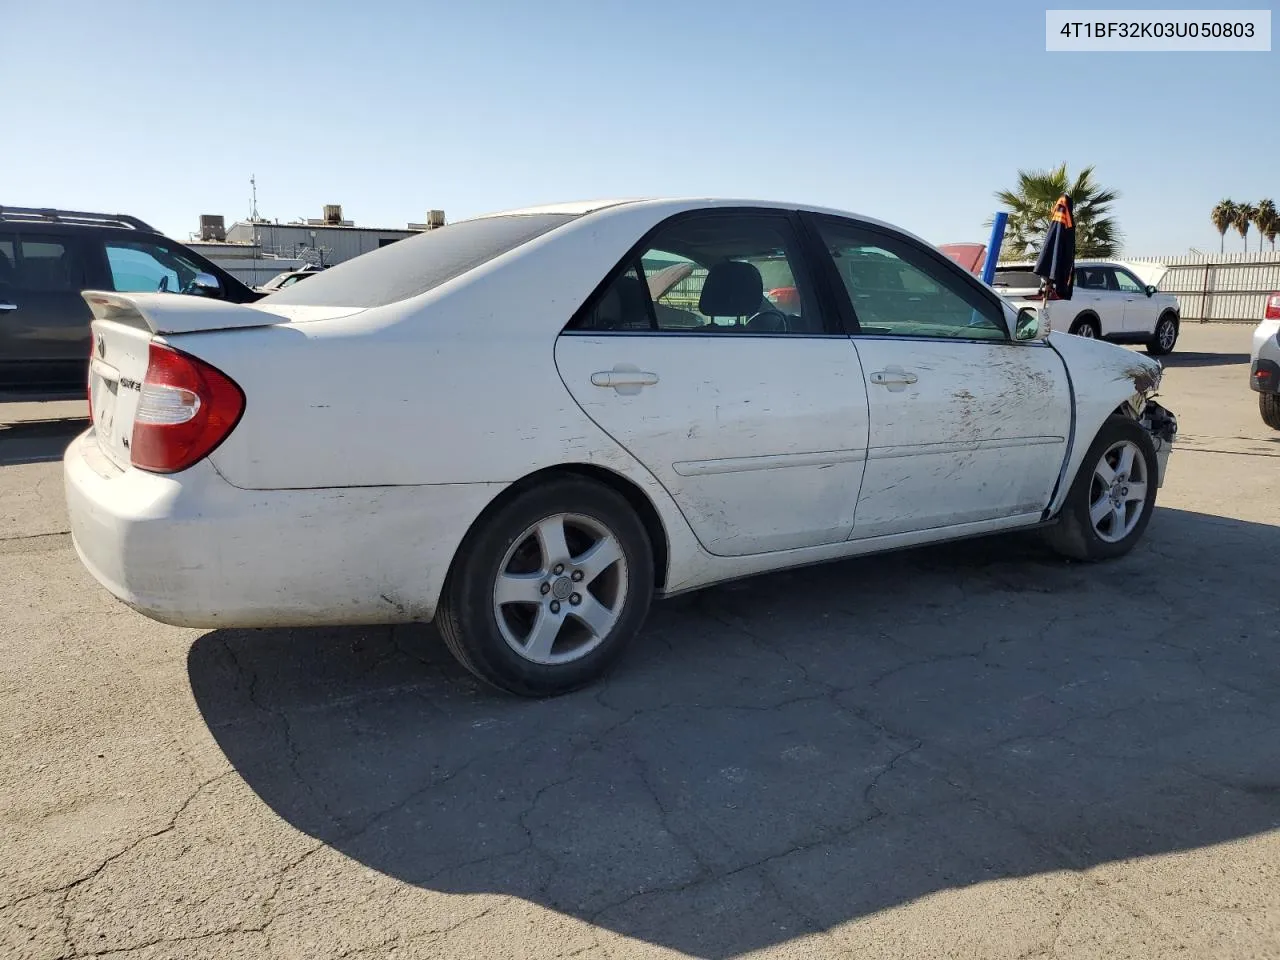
{"x":47,"y":257}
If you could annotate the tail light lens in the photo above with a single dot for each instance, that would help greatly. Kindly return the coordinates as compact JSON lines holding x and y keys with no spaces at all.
{"x":186,"y":409}
{"x":1273,"y":307}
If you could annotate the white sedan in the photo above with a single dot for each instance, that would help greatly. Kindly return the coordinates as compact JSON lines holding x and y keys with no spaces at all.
{"x":526,"y":425}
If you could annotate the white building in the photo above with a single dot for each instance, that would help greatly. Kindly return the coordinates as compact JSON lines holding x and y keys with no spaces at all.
{"x":254,"y":251}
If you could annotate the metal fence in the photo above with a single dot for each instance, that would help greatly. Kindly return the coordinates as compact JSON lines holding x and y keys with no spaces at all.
{"x":1230,"y":287}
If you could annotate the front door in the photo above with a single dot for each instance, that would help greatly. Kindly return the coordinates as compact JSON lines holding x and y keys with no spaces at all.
{"x":1137,"y":305}
{"x":965,"y":424}
{"x":753,"y":415}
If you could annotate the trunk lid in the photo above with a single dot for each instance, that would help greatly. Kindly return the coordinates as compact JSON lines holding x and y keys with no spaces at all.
{"x":122,"y":329}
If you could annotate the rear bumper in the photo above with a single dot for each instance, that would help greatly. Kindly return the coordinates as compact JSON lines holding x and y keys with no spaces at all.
{"x":1264,"y":376}
{"x":192,"y":550}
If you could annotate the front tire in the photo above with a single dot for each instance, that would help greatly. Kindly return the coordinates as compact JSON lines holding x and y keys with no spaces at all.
{"x":1269,"y":407}
{"x":547,"y":591}
{"x":1112,"y":498}
{"x":1163,"y":337}
{"x":1087,"y":327}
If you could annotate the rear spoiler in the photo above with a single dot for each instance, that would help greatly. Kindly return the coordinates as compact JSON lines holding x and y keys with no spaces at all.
{"x":174,"y":312}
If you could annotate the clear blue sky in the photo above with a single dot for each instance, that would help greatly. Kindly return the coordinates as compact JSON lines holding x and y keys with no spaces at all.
{"x":392,"y":107}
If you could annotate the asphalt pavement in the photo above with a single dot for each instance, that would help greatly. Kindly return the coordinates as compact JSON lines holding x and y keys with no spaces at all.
{"x":975,"y":750}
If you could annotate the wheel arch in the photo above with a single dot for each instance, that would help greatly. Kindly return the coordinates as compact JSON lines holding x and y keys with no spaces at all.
{"x":1086,"y":314}
{"x":626,"y":488}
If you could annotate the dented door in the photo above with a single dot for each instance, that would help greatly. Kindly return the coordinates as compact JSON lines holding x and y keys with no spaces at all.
{"x":964,"y":431}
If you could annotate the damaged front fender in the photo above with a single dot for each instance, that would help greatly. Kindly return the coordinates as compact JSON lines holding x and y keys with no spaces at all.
{"x":1163,"y":427}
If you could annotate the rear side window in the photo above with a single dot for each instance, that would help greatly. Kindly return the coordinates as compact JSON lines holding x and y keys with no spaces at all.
{"x":40,"y":265}
{"x":418,"y":264}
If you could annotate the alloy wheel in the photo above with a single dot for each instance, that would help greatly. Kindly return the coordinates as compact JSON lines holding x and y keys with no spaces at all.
{"x":561,"y":589}
{"x":1118,"y":493}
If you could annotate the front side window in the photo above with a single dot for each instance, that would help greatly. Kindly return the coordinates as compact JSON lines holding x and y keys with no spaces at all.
{"x":141,"y":267}
{"x":716,"y":273}
{"x":1127,"y":284}
{"x":898,"y":290}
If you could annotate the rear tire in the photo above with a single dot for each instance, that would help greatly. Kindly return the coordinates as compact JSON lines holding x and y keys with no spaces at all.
{"x":1112,"y":497}
{"x":1269,"y":407}
{"x":1163,"y":337}
{"x":1087,"y":327}
{"x":546,"y":591}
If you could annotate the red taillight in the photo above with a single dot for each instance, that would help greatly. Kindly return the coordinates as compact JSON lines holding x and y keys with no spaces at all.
{"x":186,"y":409}
{"x":1273,"y":307}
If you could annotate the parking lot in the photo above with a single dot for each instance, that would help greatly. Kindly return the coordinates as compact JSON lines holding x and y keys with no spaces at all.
{"x":976,"y":750}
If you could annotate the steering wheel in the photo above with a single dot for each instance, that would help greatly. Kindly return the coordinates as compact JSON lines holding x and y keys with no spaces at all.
{"x":771,"y":312}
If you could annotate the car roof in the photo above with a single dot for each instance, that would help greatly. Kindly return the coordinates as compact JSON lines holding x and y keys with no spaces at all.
{"x":672,"y":205}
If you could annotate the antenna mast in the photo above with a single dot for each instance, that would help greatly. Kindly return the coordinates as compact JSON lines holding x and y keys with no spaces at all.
{"x":253,"y":210}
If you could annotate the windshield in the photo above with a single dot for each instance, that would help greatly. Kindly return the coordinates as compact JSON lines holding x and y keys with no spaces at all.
{"x":414,"y":266}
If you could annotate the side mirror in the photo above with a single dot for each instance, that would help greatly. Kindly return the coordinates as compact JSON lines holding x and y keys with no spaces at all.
{"x":1151,"y":290}
{"x":1031,"y":325}
{"x":204,"y":285}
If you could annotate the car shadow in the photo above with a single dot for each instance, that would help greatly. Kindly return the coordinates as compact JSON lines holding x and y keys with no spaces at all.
{"x":799,"y":750}
{"x":38,"y":441}
{"x":1190,"y":359}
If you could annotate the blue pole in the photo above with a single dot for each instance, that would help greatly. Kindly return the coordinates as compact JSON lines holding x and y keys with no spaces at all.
{"x":993,"y":246}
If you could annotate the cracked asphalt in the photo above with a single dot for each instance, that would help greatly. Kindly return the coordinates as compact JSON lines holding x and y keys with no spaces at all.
{"x":966,"y":751}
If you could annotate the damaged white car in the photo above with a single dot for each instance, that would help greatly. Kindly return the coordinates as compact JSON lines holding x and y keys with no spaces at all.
{"x":527,"y":425}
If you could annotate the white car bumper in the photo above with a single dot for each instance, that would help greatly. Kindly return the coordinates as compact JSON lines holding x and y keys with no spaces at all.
{"x":193,"y":550}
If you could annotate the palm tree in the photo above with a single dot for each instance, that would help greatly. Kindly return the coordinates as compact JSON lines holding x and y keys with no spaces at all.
{"x":1223,"y":217}
{"x":1267,"y":221}
{"x":1244,"y":219}
{"x":1031,"y":204}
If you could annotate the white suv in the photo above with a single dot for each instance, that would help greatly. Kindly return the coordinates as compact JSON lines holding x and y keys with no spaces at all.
{"x":1108,"y":302}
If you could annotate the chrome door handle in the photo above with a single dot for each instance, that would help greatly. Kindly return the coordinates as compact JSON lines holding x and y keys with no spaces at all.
{"x":895,"y":378}
{"x":624,"y":378}
{"x":8,"y":306}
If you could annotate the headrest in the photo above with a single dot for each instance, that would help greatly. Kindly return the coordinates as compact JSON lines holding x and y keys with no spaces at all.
{"x":732,"y":289}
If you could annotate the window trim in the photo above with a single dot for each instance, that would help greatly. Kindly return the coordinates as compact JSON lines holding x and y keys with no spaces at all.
{"x":948,"y":268}
{"x":808,"y":273}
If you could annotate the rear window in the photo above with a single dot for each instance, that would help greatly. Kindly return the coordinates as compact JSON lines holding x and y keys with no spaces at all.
{"x":418,"y":264}
{"x":1015,"y":278}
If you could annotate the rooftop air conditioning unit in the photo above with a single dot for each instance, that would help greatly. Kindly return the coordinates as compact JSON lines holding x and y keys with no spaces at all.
{"x":213,"y":227}
{"x":333,"y":213}
{"x":435,"y":218}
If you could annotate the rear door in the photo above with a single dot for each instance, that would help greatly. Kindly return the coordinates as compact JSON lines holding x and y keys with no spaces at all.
{"x":752,"y":415}
{"x":44,"y":322}
{"x":965,"y":425}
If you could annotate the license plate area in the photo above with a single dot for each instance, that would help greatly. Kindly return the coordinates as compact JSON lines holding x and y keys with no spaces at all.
{"x":104,"y":391}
